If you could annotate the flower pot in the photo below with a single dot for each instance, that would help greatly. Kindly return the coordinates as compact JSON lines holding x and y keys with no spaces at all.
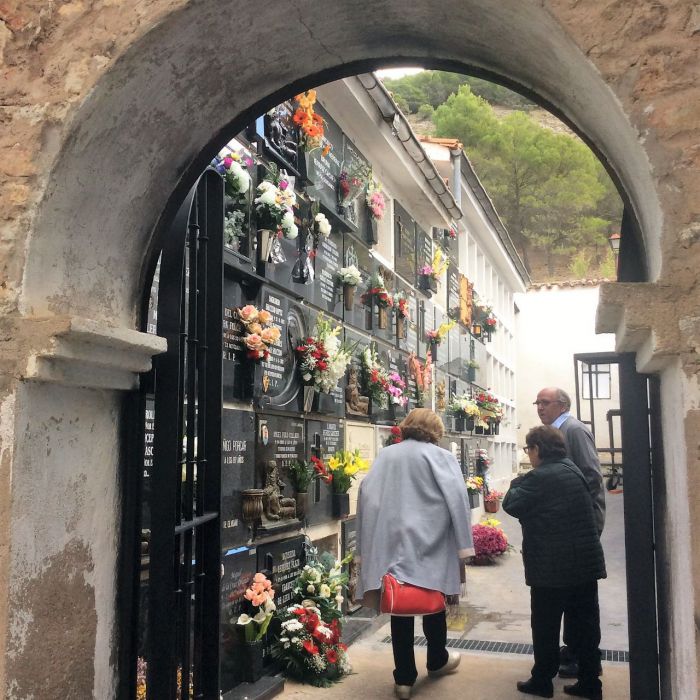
{"x":471,"y":374}
{"x":309,"y":396}
{"x":400,"y":327}
{"x":473,"y":500}
{"x":252,"y":660}
{"x":252,"y":506}
{"x":340,"y":503}
{"x":265,"y":238}
{"x":479,"y":430}
{"x":424,"y":284}
{"x":382,"y":317}
{"x":492,"y":506}
{"x":372,"y":230}
{"x":302,"y":499}
{"x":434,"y":351}
{"x":460,"y":424}
{"x":348,"y":296}
{"x":469,"y":423}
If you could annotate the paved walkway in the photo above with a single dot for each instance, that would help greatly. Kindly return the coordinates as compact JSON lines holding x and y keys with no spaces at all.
{"x":496,"y":609}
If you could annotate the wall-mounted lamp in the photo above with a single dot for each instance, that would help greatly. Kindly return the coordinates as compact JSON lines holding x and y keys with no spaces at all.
{"x":614,"y":242}
{"x":476,"y":329}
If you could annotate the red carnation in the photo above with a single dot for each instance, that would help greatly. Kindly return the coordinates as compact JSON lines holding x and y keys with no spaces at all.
{"x":331,"y":656}
{"x":310,"y":647}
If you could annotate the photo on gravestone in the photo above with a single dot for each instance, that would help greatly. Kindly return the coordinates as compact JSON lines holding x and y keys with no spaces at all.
{"x":332,"y":403}
{"x":323,"y":167}
{"x":237,"y":473}
{"x":239,"y":566}
{"x":383,"y":324}
{"x":327,"y":291}
{"x":238,"y":370}
{"x":357,"y":254}
{"x":404,"y":244}
{"x":279,"y":441}
{"x":424,"y":261}
{"x":282,"y":561}
{"x":277,"y":385}
{"x":323,"y":439}
{"x":355,"y":173}
{"x":404,"y":304}
{"x":348,"y":545}
{"x":278,"y":137}
{"x":356,"y":398}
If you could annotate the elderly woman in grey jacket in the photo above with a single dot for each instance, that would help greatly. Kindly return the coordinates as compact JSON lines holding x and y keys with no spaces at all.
{"x":413,"y":521}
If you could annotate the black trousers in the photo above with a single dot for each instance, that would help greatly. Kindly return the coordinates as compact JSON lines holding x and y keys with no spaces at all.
{"x":547,"y":607}
{"x":435,"y":631}
{"x":572,"y":623}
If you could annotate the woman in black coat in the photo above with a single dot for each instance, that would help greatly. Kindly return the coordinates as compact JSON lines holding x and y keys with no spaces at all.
{"x":563,"y":560}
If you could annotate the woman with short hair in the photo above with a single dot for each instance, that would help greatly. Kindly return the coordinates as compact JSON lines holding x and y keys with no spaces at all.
{"x":414,"y":522}
{"x":563,"y":560}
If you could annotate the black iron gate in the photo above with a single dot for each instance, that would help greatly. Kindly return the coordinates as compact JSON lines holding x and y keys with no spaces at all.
{"x":180,"y":561}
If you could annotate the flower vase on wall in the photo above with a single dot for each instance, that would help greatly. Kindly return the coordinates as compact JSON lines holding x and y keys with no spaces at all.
{"x":434,"y":350}
{"x":252,"y":660}
{"x":302,"y":499}
{"x":348,"y":296}
{"x":309,"y":396}
{"x":372,"y":230}
{"x":400,"y":327}
{"x":265,"y":239}
{"x":382,"y":317}
{"x":340,"y":503}
{"x":460,"y":424}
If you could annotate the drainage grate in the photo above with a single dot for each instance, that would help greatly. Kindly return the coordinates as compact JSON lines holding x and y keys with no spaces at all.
{"x":508,"y":648}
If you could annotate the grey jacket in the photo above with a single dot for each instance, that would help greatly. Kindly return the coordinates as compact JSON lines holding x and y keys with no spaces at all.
{"x":413,"y":518}
{"x":582,"y":452}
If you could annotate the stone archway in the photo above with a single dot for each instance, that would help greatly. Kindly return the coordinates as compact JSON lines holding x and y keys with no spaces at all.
{"x":126,"y":142}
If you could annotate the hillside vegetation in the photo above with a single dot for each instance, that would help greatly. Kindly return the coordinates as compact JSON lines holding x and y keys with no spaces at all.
{"x":555,"y":198}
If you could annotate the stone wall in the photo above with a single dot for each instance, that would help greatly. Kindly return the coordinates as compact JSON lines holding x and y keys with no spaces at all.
{"x":108,"y":108}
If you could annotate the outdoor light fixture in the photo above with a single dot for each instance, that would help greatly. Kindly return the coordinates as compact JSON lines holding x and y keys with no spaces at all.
{"x":476,"y":329}
{"x":614,"y":241}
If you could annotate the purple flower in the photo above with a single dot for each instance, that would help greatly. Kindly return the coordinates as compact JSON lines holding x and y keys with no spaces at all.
{"x":248,"y":161}
{"x":227,"y":162}
{"x":283,"y":185}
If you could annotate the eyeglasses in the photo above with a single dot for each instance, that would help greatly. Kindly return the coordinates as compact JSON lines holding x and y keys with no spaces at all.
{"x":527,"y":448}
{"x":544,"y":403}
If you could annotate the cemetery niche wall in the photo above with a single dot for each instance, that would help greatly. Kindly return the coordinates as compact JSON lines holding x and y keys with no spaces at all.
{"x":275,"y":289}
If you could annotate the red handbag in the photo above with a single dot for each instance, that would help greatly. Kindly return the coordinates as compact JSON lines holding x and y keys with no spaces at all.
{"x":404,"y":599}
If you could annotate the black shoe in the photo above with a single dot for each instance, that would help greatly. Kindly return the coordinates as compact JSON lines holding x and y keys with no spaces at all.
{"x":532,"y":687}
{"x":582,"y":692}
{"x":568,"y":669}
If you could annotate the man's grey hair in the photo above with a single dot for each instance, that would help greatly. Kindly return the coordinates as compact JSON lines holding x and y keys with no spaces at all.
{"x":564,"y":398}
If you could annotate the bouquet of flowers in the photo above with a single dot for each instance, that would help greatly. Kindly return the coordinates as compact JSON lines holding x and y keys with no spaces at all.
{"x":482,"y":459}
{"x":351,"y":183}
{"x":400,"y":303}
{"x":489,"y":541}
{"x":394,"y":436}
{"x":275,"y":205}
{"x":260,"y":332}
{"x":310,"y":124}
{"x":375,"y":200}
{"x":490,"y":408}
{"x":375,"y":379}
{"x":490,"y":323}
{"x":437,"y":267}
{"x":344,"y":466}
{"x":435,"y":337}
{"x":309,"y":648}
{"x":493,"y":496}
{"x":323,"y":226}
{"x":464,"y":407}
{"x":322,"y":582}
{"x":321,"y":469}
{"x":234,"y":167}
{"x":378,"y":293}
{"x":422,"y":374}
{"x":451,"y":233}
{"x":259,"y":597}
{"x":396,"y":389}
{"x":349,"y":275}
{"x":475,"y":484}
{"x":323,"y":359}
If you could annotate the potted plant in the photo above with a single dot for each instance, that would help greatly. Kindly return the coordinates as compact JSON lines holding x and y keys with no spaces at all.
{"x":344,"y":466}
{"x":349,"y":277}
{"x":489,"y":542}
{"x":274,"y":207}
{"x":259,"y":333}
{"x":436,"y":336}
{"x":301,"y":474}
{"x":376,"y":206}
{"x":378,"y":295}
{"x":492,"y":500}
{"x":475,"y":485}
{"x":254,"y":624}
{"x":323,"y":360}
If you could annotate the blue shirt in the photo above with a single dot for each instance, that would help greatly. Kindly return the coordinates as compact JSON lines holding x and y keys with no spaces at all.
{"x":557,"y":423}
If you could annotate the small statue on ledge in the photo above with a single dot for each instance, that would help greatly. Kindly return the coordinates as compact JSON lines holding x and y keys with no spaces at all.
{"x":281,"y":135}
{"x":355,"y":403}
{"x":275,"y":505}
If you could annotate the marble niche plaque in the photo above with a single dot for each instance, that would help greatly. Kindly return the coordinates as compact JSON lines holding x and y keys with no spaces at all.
{"x":283,"y":560}
{"x":279,"y":439}
{"x":393,"y":361}
{"x":277,"y":383}
{"x":356,"y":401}
{"x":237,"y":472}
{"x":149,"y":427}
{"x":357,"y":253}
{"x":424,"y":251}
{"x":354,"y":210}
{"x":388,"y":333}
{"x":323,"y":439}
{"x":404,"y":243}
{"x":453,"y":298}
{"x":426,"y":322}
{"x":326,"y":292}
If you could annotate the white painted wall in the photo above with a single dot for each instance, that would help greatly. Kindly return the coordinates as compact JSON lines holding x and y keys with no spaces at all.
{"x":553,"y":325}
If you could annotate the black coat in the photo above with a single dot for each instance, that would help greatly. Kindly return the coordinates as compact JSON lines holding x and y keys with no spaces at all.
{"x":561,"y":546}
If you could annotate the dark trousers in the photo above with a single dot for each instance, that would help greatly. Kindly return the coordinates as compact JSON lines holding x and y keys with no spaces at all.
{"x":572,"y":624}
{"x":547,"y":607}
{"x":435,"y":631}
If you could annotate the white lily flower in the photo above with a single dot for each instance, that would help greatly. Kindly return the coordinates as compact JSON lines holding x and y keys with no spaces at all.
{"x":260,"y":617}
{"x":244,"y":619}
